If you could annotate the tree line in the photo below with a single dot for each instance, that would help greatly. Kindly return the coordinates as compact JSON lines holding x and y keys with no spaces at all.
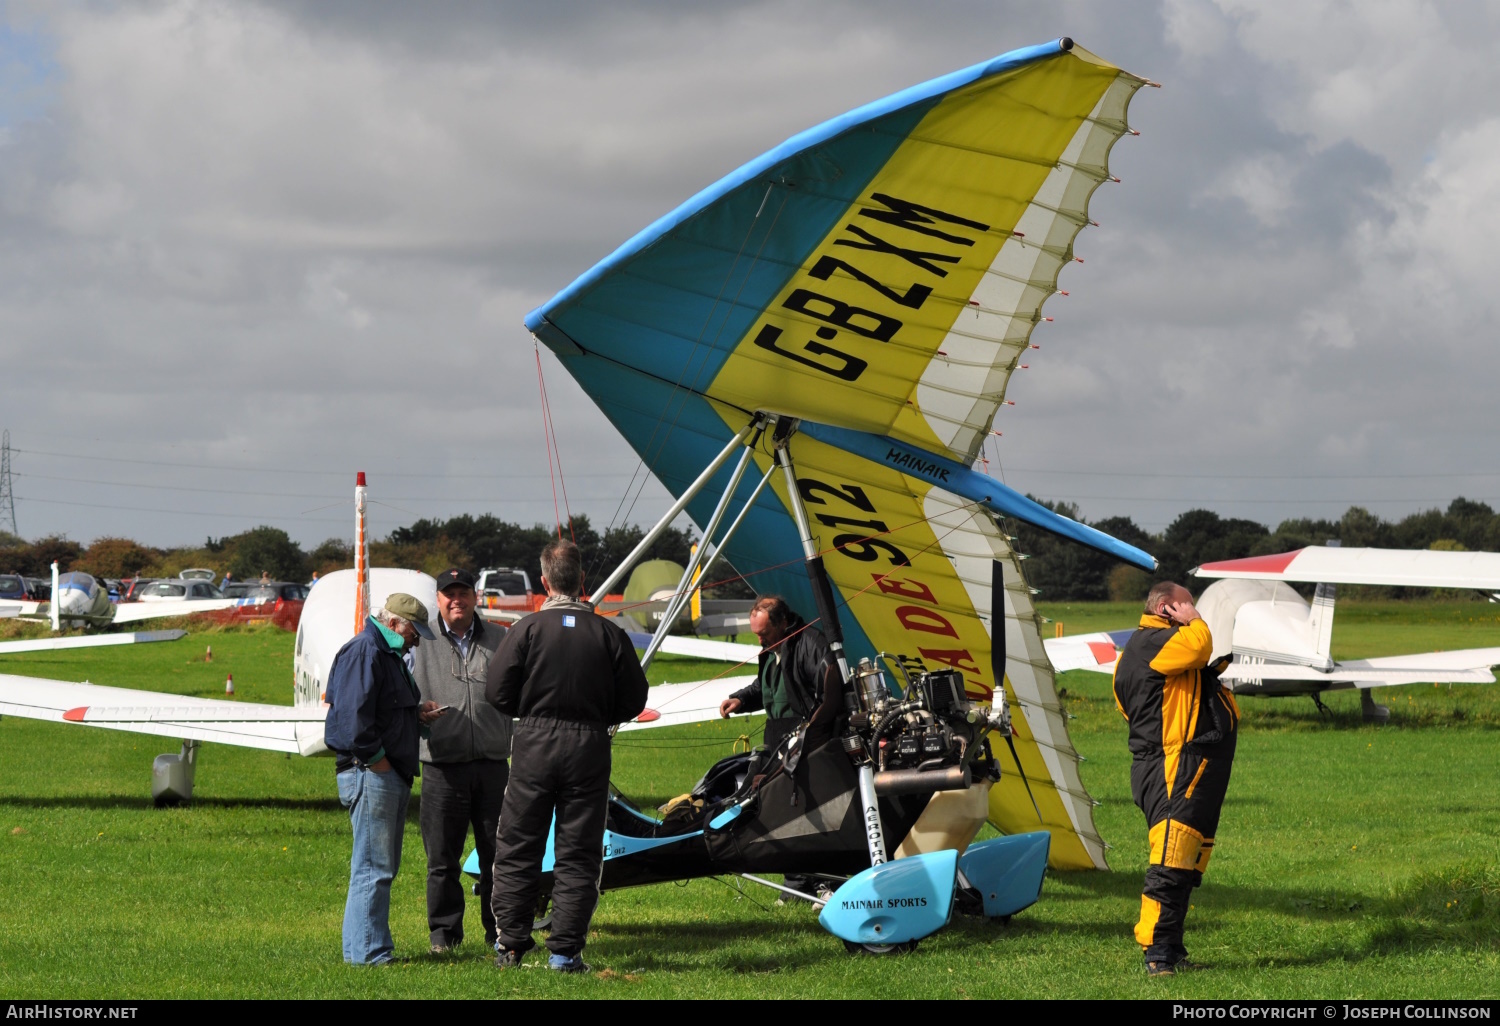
{"x":431,"y":546}
{"x":1063,"y":571}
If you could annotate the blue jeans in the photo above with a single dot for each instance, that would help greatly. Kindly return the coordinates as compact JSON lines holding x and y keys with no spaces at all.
{"x":377,"y":810}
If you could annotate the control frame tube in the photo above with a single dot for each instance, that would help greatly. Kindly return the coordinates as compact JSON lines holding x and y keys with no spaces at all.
{"x":671,"y":514}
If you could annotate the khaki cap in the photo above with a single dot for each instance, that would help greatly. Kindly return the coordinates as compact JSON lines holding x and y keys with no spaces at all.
{"x":408,"y":606}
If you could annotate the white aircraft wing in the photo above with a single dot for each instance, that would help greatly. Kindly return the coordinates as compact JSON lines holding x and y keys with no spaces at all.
{"x":87,"y":641}
{"x":1391,"y":567}
{"x":1458,"y":659}
{"x":131,"y":612}
{"x":1428,"y":668}
{"x":276,"y":728}
{"x":701,"y":648}
{"x":669,"y":705}
{"x":1096,"y":652}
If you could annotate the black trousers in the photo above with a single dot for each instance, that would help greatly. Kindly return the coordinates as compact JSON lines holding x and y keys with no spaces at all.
{"x":455,"y":797}
{"x":1181,"y":823}
{"x":559,"y":775}
{"x":777,"y":730}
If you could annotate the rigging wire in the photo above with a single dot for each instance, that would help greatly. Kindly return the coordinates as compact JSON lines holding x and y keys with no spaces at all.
{"x":550,"y":427}
{"x":547,"y":438}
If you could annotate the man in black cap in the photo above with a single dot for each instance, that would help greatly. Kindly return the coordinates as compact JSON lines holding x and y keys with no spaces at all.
{"x":464,"y":768}
{"x":569,"y":675}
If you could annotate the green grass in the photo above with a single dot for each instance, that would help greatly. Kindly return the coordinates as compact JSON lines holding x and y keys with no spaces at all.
{"x":1353,"y":861}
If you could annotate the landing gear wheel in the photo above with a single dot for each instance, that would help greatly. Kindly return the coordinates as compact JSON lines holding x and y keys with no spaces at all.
{"x":904,"y":948}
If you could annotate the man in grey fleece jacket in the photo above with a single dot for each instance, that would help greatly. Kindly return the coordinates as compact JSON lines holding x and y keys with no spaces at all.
{"x":464,"y":768}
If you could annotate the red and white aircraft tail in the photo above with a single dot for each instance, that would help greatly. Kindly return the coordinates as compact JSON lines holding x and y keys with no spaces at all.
{"x":1283,"y":645}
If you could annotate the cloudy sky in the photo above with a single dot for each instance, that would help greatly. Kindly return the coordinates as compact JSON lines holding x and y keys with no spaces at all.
{"x":247,"y":249}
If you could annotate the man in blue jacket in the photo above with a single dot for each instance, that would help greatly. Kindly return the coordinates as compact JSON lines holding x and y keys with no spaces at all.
{"x":375,"y":718}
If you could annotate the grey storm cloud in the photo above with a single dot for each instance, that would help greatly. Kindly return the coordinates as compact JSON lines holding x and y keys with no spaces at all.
{"x":247,"y":249}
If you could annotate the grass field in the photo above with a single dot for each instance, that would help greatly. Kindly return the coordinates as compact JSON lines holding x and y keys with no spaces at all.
{"x":1353,"y":861}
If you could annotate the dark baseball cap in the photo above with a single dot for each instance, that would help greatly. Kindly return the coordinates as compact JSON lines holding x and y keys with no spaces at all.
{"x":454,"y":575}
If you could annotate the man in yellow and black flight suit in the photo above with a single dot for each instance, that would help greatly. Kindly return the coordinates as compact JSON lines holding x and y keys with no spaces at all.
{"x":1183,"y":726}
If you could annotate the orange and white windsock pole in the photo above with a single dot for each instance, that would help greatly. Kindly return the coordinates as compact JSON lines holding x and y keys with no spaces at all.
{"x":361,"y":557}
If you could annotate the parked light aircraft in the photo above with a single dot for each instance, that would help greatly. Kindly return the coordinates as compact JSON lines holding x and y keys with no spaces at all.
{"x":78,"y":598}
{"x":1281,"y":643}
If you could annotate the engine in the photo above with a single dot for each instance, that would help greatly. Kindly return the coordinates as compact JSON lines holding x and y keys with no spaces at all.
{"x":930,"y":737}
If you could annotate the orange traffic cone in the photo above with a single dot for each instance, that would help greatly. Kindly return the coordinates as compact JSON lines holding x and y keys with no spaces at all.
{"x":229,"y":684}
{"x":208,"y":656}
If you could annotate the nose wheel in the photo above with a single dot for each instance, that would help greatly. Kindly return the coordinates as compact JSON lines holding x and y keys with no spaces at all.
{"x":904,"y":948}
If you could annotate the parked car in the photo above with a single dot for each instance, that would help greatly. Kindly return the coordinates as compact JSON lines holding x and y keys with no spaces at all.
{"x":197,"y":574}
{"x":506,"y":588}
{"x":130,"y":590}
{"x":41,"y":590}
{"x":15,"y":588}
{"x":178,"y":591}
{"x":278,"y":601}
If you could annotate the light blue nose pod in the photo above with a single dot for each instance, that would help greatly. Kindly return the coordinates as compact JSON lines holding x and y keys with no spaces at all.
{"x":1007,"y":871}
{"x":896,"y":902}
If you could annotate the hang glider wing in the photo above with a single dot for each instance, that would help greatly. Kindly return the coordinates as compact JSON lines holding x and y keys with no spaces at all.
{"x":1412,"y":568}
{"x":277,"y":728}
{"x":876,"y":277}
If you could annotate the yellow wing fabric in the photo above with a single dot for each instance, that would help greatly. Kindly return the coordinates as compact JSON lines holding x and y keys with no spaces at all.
{"x":915,"y":565}
{"x":908,"y":317}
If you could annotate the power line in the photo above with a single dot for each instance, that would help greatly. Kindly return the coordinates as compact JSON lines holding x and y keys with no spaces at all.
{"x":287,"y":470}
{"x":285,"y":495}
{"x":190,"y":512}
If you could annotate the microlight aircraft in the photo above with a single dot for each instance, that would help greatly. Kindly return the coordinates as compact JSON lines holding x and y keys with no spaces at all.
{"x":1281,"y":643}
{"x":821,"y":341}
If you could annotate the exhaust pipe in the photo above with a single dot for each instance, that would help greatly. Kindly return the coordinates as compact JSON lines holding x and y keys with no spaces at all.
{"x":907,"y":781}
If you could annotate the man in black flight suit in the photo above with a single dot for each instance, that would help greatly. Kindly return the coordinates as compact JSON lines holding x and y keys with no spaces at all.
{"x":567,"y":675}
